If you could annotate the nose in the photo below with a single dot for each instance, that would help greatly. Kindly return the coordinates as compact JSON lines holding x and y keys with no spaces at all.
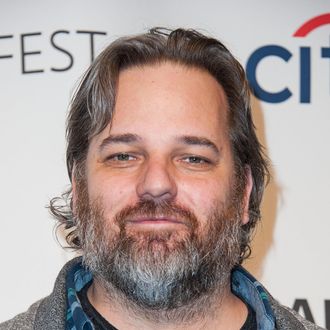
{"x":157,"y":182}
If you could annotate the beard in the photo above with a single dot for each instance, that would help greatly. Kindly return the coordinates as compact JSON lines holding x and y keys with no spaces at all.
{"x":169,"y":275}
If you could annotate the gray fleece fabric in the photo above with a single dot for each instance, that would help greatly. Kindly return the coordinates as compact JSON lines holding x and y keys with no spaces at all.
{"x":49,"y":313}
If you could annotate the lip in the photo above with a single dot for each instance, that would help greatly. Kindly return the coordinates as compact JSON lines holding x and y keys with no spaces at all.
{"x":155,"y":221}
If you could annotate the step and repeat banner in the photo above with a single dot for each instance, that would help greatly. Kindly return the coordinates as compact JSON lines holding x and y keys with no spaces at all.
{"x":45,"y":46}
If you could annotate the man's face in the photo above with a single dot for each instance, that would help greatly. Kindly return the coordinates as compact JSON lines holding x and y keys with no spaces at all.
{"x":162,"y":174}
{"x":168,"y":140}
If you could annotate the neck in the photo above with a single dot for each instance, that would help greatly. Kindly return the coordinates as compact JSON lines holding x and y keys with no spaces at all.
{"x":221,"y":310}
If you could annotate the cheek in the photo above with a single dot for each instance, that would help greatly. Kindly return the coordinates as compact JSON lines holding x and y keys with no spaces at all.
{"x":115,"y":193}
{"x":202,"y":196}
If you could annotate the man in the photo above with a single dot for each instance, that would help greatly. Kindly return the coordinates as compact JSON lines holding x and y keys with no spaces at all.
{"x":167,"y":178}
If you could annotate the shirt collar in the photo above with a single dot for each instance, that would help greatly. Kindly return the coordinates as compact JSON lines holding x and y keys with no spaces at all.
{"x":245,"y":286}
{"x":77,"y":278}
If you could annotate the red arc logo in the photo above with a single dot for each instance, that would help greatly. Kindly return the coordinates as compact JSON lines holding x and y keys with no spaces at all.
{"x":312,"y":24}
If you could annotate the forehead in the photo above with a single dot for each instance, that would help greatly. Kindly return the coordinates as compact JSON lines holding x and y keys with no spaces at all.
{"x":171,"y":99}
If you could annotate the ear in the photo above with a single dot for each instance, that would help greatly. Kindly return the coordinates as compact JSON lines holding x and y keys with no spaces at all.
{"x":247,"y":194}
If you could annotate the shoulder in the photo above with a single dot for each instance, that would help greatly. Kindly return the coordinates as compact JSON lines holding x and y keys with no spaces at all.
{"x":269,"y":312}
{"x":286,"y":318}
{"x":23,"y":321}
{"x":47,"y":313}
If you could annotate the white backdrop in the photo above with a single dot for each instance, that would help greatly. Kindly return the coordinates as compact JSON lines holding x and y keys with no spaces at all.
{"x":44,"y":48}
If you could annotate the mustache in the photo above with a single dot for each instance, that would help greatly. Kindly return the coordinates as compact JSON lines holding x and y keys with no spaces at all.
{"x":153,"y":209}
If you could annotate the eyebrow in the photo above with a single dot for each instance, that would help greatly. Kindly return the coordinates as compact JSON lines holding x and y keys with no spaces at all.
{"x":130,"y":138}
{"x":198,"y":141}
{"x":119,"y":138}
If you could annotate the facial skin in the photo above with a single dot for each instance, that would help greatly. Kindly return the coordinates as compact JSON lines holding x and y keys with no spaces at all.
{"x":159,"y":107}
{"x":168,"y":142}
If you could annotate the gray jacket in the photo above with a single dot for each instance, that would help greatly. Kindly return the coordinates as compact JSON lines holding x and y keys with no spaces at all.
{"x":50,"y":313}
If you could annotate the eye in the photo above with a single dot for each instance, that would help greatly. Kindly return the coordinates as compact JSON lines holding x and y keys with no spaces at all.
{"x":121,"y":157}
{"x":196,"y":160}
{"x":122,"y":160}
